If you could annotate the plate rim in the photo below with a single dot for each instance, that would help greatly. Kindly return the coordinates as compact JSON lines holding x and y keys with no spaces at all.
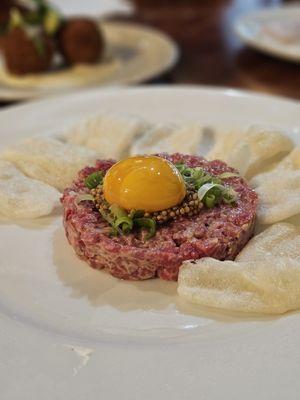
{"x":222,"y":90}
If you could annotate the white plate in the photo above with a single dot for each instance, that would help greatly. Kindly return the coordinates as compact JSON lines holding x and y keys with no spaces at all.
{"x":134,"y":53}
{"x":93,"y":7}
{"x":70,"y":332}
{"x":259,"y":29}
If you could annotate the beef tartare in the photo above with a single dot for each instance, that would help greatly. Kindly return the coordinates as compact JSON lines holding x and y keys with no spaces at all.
{"x":197,"y":228}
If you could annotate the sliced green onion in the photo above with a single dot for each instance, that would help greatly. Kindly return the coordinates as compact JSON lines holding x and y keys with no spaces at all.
{"x":51,"y":22}
{"x":107,"y":218}
{"x":207,"y":179}
{"x":197,"y":177}
{"x":94,"y":179}
{"x":121,"y":219}
{"x":16,"y":19}
{"x":226,"y":175}
{"x":125,"y":223}
{"x":230,"y":195}
{"x":117,"y":211}
{"x":136,"y":214}
{"x":181,"y":167}
{"x":197,"y":173}
{"x":146,"y":223}
{"x":84,"y":197}
{"x":210,"y":200}
{"x":210,"y":194}
{"x":203,"y":191}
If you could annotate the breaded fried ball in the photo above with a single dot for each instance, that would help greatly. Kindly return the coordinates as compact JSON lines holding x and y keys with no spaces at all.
{"x":25,"y":55}
{"x":80,"y":41}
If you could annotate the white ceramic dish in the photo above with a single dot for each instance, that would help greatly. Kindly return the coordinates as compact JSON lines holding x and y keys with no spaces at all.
{"x":68,"y":331}
{"x":266,"y":30}
{"x":134,"y":53}
{"x":94,"y":7}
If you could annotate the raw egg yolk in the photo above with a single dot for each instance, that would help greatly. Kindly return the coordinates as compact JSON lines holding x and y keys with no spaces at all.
{"x":148,"y":183}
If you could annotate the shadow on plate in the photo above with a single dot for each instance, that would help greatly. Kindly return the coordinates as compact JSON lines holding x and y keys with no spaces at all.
{"x":154,"y":295}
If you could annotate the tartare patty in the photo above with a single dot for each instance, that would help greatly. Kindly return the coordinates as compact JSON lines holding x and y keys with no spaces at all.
{"x":220,"y":232}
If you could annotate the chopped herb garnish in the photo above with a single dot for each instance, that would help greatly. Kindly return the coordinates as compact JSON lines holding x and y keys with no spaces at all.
{"x":125,"y":223}
{"x":211,"y":189}
{"x":136,"y":214}
{"x":40,"y":15}
{"x":212,"y":194}
{"x":230,"y":196}
{"x":39,"y":45}
{"x":51,"y":22}
{"x":196,"y":177}
{"x":117,"y":211}
{"x":146,"y":223}
{"x":84,"y":197}
{"x":16,"y":19}
{"x":121,"y":219}
{"x":94,"y":179}
{"x":106,"y":216}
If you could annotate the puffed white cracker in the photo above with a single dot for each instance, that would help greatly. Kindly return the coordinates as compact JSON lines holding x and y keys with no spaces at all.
{"x":279,"y":197}
{"x":23,"y":197}
{"x":280,"y":240}
{"x":289,"y":163}
{"x":49,"y":160}
{"x":265,"y":279}
{"x":279,"y":190}
{"x":251,"y":150}
{"x":169,"y":138}
{"x":110,"y":135}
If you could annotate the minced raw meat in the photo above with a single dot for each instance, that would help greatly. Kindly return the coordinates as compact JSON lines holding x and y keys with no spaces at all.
{"x":220,"y":232}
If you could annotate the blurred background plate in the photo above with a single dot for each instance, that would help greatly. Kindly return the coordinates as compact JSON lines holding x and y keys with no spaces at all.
{"x":93,"y":7}
{"x":134,"y":53}
{"x":275,"y":31}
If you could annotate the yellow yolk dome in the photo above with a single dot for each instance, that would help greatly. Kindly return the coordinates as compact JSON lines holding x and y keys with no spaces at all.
{"x":148,"y":183}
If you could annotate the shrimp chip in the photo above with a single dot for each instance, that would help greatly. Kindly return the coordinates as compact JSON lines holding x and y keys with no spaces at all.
{"x":22,"y":197}
{"x":267,"y":145}
{"x":279,"y":197}
{"x":290,"y":163}
{"x":251,"y":150}
{"x":269,"y":286}
{"x":49,"y":160}
{"x":279,"y":190}
{"x":281,"y":240}
{"x":108,"y":134}
{"x":170,"y":139}
{"x":264,"y":279}
{"x":230,"y":148}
